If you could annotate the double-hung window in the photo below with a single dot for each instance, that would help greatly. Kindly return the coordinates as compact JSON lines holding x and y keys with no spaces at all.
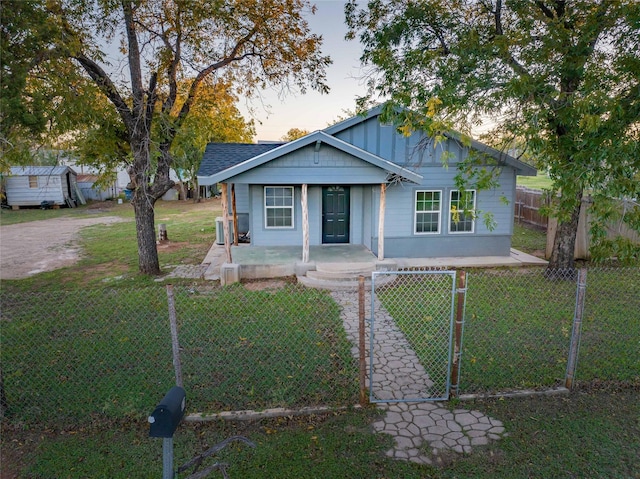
{"x":278,"y":206}
{"x":427,"y":212}
{"x":462,"y":206}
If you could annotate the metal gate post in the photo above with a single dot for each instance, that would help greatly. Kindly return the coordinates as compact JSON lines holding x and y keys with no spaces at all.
{"x":457,"y":341}
{"x":167,"y":458}
{"x":576,"y":330}
{"x":362,"y":344}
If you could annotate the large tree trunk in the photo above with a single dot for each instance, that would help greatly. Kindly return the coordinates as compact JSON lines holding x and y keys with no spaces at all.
{"x":148,"y":260}
{"x":147,"y":190}
{"x":564,"y":244}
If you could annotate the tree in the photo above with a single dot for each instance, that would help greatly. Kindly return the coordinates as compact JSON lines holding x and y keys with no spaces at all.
{"x":35,"y":85}
{"x":214,"y":118}
{"x":562,"y":76}
{"x":294,"y":134}
{"x":255,"y":43}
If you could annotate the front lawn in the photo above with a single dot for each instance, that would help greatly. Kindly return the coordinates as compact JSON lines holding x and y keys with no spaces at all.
{"x":585,"y":434}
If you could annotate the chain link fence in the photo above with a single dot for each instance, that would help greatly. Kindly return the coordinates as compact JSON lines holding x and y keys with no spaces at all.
{"x":412,"y":335}
{"x":73,"y":355}
{"x":67,"y":356}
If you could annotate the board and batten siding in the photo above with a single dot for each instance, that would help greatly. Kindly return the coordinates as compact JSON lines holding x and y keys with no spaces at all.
{"x":383,"y":140}
{"x":329,"y":166}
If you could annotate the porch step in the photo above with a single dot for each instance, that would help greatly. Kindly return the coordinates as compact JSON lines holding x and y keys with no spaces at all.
{"x":345,"y":269}
{"x":339,"y":276}
{"x":338,"y":284}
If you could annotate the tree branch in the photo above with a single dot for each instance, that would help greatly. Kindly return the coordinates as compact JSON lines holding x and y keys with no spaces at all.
{"x":232,"y":57}
{"x":545,"y":10}
{"x":102,"y":80}
{"x":135,"y":68}
{"x":507,"y":56}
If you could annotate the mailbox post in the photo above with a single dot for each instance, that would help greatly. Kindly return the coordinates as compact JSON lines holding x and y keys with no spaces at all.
{"x":163,"y":423}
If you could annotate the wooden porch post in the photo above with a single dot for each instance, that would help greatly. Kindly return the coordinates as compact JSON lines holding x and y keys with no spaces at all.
{"x":235,"y":214}
{"x":305,"y":225}
{"x":225,"y":222}
{"x":383,"y":191}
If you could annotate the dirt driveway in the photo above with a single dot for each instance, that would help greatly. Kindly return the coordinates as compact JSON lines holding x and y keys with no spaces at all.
{"x":30,"y":248}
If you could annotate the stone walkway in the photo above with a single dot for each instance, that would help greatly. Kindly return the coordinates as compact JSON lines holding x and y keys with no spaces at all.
{"x":422,"y":430}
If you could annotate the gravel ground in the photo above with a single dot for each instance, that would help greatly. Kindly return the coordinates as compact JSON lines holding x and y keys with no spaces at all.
{"x":30,"y":248}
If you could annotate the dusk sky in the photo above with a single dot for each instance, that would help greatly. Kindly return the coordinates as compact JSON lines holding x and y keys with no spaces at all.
{"x":314,"y":111}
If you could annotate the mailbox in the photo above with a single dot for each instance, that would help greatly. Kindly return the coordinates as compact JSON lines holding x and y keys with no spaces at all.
{"x":168,"y":414}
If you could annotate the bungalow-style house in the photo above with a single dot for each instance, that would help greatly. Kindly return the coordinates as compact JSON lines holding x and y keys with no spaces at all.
{"x":41,"y":185}
{"x":362,"y":182}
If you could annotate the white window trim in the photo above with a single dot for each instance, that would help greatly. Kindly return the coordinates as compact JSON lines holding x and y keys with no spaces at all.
{"x":473,"y":211}
{"x":415,"y":213}
{"x":292,"y":208}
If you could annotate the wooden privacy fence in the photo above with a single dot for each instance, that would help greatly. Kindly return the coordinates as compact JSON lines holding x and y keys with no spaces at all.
{"x":527,"y":210}
{"x":527,"y":207}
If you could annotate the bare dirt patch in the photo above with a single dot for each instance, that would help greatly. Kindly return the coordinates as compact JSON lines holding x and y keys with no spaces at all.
{"x":37,"y":246}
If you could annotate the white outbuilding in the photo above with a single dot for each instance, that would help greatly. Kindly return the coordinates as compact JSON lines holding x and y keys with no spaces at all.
{"x":34,"y":185}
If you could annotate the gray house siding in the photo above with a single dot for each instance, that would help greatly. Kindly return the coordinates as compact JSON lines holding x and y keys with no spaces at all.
{"x":402,"y":241}
{"x":361,"y":154}
{"x":293,"y":236}
{"x":444,"y":246}
{"x":384,"y":141}
{"x":400,"y":236}
{"x":330,"y":166}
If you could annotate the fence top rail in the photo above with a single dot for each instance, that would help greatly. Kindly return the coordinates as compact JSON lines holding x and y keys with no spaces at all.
{"x":415,"y":272}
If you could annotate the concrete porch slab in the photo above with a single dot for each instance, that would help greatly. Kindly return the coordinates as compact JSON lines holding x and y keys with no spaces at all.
{"x":270,"y":262}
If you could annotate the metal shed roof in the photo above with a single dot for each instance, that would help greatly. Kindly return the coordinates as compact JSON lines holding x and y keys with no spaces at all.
{"x":39,"y":170}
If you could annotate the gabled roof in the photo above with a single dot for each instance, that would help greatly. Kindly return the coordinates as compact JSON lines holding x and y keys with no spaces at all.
{"x":317,"y":137}
{"x":501,"y":157}
{"x":354,"y":120}
{"x":220,"y":156}
{"x":39,"y":170}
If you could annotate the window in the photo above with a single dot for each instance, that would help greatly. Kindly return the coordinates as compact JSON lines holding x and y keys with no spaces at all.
{"x":278,"y":206}
{"x":427,"y":212}
{"x":462,"y":213}
{"x":33,"y":181}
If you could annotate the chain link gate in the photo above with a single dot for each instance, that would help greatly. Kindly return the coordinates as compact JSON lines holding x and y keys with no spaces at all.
{"x":411,"y":336}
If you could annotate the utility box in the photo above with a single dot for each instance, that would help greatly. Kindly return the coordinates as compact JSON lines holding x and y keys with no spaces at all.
{"x":167,"y":415}
{"x":243,"y":227}
{"x":220,"y":230}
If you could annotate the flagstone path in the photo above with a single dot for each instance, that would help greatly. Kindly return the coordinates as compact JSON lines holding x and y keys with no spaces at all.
{"x":422,"y":430}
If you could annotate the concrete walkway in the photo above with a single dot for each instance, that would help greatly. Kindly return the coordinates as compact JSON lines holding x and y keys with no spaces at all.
{"x":421,"y":430}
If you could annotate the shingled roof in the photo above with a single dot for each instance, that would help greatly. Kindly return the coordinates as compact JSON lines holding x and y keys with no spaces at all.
{"x":220,"y":156}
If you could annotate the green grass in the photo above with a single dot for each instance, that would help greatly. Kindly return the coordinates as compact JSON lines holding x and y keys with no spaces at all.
{"x":108,"y":352}
{"x":110,"y":253}
{"x":518,"y":325}
{"x":539,"y":182}
{"x":288,"y":346}
{"x":586,"y":434}
{"x":116,"y":335}
{"x":11,"y":217}
{"x":517,"y":329}
{"x":528,"y":240}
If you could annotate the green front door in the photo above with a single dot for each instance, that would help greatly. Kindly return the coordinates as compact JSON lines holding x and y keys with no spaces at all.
{"x":335,"y":214}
